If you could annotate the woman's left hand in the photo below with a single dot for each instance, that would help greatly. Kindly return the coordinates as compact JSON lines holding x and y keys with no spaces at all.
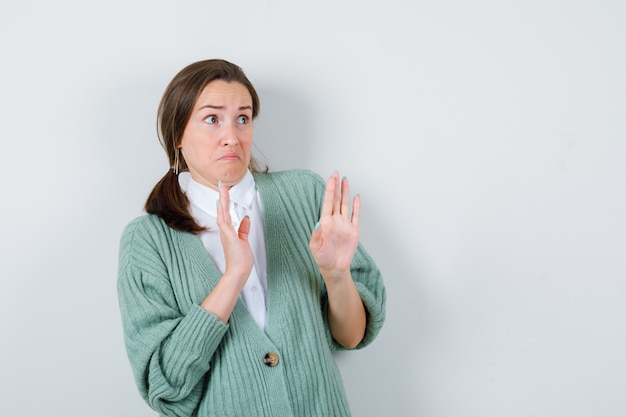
{"x":336,"y":235}
{"x":333,"y":245}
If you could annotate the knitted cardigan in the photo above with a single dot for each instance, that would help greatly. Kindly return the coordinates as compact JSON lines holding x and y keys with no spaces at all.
{"x":186,"y":362}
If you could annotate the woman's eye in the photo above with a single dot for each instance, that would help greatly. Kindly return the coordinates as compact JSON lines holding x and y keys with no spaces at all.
{"x":242,"y":120}
{"x":211,"y":119}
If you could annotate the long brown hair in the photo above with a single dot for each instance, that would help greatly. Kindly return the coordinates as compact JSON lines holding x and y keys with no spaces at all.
{"x":167,"y":200}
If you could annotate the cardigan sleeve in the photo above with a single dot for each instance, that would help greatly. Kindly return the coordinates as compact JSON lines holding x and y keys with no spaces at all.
{"x":369,"y":284}
{"x":170,"y":352}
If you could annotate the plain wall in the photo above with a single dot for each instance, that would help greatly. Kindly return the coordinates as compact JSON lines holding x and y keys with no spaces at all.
{"x":487,"y":141}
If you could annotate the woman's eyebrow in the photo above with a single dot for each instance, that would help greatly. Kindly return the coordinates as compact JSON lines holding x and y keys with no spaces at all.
{"x":212,"y":106}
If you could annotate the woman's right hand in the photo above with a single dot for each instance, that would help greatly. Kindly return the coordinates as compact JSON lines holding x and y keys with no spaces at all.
{"x":237,"y":252}
{"x":239,"y":261}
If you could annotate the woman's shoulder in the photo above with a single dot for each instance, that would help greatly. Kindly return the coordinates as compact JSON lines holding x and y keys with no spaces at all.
{"x":144,"y":222}
{"x":144,"y":228}
{"x":296,"y":177}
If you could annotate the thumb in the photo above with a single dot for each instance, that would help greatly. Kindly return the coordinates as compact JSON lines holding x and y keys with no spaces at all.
{"x":316,"y":238}
{"x":244,"y":228}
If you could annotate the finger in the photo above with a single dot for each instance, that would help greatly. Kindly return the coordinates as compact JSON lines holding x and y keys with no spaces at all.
{"x":329,"y":197}
{"x":244,"y":228}
{"x":316,"y":239}
{"x":223,"y":204}
{"x":337,"y":196}
{"x":345,"y":198}
{"x":356,"y":210}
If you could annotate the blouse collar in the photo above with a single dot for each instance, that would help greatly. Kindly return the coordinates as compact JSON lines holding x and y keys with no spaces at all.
{"x":204,"y":197}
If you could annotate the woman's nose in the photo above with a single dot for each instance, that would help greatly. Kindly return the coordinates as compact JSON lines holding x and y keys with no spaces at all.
{"x":229,"y":136}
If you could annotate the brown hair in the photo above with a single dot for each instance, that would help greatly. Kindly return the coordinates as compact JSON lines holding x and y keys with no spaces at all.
{"x":167,"y":200}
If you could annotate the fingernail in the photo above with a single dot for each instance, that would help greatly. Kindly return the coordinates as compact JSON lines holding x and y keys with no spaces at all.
{"x":317,"y":226}
{"x":219,"y":185}
{"x":217,"y":202}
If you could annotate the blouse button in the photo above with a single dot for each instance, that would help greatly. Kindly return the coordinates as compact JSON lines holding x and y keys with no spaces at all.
{"x":271,"y":359}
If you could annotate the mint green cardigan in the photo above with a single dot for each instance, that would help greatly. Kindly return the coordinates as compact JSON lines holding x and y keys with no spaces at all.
{"x":186,"y":362}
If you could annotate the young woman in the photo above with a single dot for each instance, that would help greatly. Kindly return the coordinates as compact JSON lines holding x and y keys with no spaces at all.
{"x":235,"y":291}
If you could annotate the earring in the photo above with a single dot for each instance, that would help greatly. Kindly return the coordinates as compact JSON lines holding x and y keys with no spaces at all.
{"x":176,"y":161}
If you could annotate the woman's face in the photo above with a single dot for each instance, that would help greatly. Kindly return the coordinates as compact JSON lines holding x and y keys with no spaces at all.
{"x":217,"y":140}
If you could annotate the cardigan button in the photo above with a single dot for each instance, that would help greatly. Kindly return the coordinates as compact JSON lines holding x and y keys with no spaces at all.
{"x":271,"y":359}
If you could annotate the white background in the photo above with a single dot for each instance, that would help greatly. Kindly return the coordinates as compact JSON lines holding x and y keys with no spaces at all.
{"x":487,"y":140}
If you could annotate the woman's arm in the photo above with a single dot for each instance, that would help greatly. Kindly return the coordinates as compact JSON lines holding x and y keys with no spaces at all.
{"x":333,"y":245}
{"x":239,"y":261}
{"x":170,"y":350}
